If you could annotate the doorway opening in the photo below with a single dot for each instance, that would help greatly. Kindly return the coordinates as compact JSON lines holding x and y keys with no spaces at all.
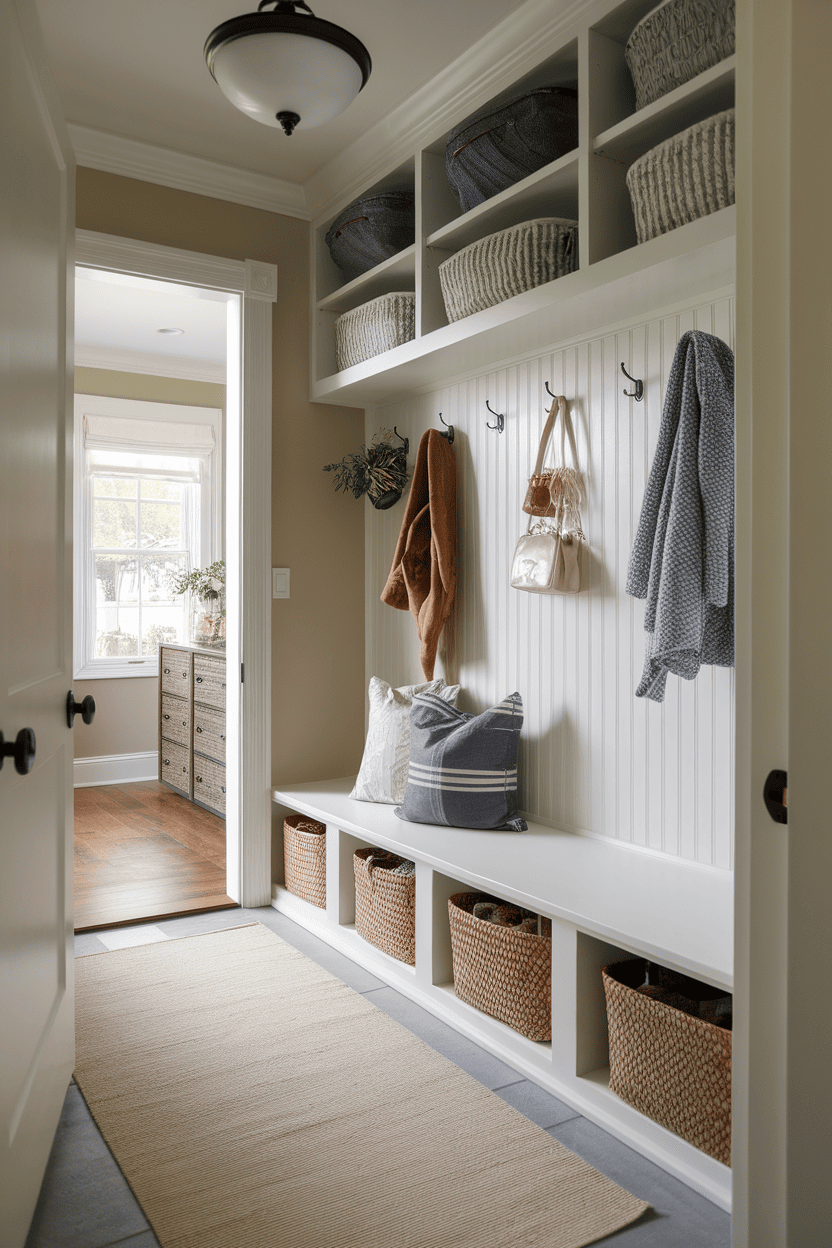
{"x":155,"y":597}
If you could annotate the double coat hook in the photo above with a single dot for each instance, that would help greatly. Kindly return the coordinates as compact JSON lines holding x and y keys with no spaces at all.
{"x":638,"y":393}
{"x":450,"y":434}
{"x":501,"y":420}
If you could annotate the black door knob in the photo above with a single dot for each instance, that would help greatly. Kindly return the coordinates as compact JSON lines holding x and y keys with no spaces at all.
{"x":22,"y":751}
{"x":85,"y":709}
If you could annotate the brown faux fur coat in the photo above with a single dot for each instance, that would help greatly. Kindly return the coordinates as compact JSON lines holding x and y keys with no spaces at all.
{"x":423,"y":576}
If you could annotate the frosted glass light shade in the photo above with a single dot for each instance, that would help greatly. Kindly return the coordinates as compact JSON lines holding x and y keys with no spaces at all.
{"x":265,"y":74}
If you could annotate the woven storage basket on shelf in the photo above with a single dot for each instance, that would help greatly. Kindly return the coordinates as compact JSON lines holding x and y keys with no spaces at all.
{"x":384,"y":903}
{"x":676,"y":41}
{"x":371,"y":230}
{"x":304,"y":858}
{"x":688,"y":176}
{"x":496,"y":147}
{"x":503,"y":972}
{"x":672,"y":1067}
{"x":507,"y":263}
{"x":374,"y":327}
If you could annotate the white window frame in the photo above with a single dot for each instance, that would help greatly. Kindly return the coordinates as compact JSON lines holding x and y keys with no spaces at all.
{"x":85,"y":665}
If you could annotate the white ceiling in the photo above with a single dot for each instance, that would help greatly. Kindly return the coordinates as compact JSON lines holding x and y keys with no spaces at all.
{"x":136,"y":69}
{"x":126,"y":318}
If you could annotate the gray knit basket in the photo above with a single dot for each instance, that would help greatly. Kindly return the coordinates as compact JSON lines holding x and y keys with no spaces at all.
{"x":684,"y":178}
{"x":677,"y":41}
{"x":507,"y":263}
{"x":374,"y":327}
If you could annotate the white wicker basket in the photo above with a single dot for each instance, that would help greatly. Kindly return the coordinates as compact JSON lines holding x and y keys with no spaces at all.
{"x":507,"y":263}
{"x":374,"y":327}
{"x":676,"y":41}
{"x":684,"y":178}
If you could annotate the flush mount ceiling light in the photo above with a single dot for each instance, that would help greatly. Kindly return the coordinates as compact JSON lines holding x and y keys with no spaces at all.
{"x":286,"y":68}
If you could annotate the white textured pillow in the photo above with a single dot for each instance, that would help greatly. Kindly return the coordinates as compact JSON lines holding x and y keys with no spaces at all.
{"x":383,"y":774}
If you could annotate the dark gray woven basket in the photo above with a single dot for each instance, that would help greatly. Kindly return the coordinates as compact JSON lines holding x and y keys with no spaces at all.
{"x":677,"y":41}
{"x":372,"y":230}
{"x":496,"y":147}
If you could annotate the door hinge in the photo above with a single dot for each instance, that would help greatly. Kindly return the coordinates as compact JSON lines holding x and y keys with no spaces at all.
{"x":242,"y":673}
{"x":776,"y":796}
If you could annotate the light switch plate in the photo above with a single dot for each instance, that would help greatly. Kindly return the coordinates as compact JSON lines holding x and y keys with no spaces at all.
{"x":280,"y":582}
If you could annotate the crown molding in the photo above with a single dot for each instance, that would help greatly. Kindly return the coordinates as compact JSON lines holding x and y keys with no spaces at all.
{"x":129,"y":158}
{"x":511,"y":49}
{"x":120,"y":360}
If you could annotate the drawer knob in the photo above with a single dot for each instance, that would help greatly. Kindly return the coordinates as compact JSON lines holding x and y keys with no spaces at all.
{"x":166,"y":717}
{"x":199,"y":730}
{"x":166,"y":762}
{"x":199,"y":680}
{"x":222,"y":736}
{"x":222,"y":788}
{"x":184,"y":723}
{"x":167,"y":671}
{"x":185,"y":769}
{"x":198,"y":779}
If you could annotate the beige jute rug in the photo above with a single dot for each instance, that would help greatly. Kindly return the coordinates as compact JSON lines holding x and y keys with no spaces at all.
{"x":252,"y":1100}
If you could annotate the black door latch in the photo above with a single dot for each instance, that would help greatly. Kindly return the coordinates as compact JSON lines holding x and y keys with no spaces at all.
{"x":775,"y":796}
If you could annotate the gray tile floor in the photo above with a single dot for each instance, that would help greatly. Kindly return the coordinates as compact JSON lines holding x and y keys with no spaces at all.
{"x":85,"y":1201}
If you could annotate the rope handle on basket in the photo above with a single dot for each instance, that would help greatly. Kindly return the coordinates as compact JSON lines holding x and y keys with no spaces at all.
{"x":353,"y":220}
{"x":481,"y":135}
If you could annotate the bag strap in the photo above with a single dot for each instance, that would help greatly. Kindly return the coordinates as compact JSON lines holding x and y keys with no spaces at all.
{"x":559,"y":408}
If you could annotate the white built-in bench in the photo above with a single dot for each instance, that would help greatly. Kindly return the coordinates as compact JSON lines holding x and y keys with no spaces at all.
{"x":606,"y":901}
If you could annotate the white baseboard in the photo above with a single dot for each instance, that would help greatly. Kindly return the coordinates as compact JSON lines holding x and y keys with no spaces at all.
{"x":116,"y":769}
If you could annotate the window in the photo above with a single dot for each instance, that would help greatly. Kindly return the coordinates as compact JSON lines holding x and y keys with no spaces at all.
{"x":147,"y":510}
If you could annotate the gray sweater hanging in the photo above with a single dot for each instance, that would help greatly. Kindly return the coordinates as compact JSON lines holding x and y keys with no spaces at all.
{"x":683,"y":554}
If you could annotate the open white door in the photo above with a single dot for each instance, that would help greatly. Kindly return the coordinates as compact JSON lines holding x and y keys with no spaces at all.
{"x":36,"y":287}
{"x":783,"y":1013}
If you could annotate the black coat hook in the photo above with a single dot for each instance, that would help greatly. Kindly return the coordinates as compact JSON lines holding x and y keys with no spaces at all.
{"x":638,"y":393}
{"x":501,"y":420}
{"x":406,"y":441}
{"x":450,"y":434}
{"x":546,"y":384}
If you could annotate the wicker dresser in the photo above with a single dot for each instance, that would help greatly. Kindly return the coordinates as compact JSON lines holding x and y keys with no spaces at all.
{"x":192,"y":724}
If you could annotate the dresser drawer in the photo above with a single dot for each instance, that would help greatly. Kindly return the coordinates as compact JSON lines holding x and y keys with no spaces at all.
{"x":209,"y":732}
{"x":174,"y":766}
{"x":209,"y":680}
{"x":209,"y":783}
{"x":175,"y":672}
{"x":176,"y":724}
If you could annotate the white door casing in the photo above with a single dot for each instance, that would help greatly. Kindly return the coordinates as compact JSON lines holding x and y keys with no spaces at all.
{"x":248,"y":527}
{"x":782,"y":1078}
{"x":37,"y":1043}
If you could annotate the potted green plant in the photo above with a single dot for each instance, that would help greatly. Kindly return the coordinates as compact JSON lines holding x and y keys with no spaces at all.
{"x":378,"y":470}
{"x":206,"y":587}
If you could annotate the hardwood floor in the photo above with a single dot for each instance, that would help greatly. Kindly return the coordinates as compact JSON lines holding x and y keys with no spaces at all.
{"x":143,"y":852}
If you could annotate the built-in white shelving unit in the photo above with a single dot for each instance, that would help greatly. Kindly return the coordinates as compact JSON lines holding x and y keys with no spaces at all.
{"x":606,"y":903}
{"x":587,"y":185}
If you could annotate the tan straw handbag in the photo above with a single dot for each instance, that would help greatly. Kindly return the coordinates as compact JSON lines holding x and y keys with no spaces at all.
{"x":552,"y":490}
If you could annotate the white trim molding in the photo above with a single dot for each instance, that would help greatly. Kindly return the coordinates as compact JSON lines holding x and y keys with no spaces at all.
{"x":115,"y":769}
{"x":129,"y":158}
{"x":120,"y":360}
{"x":248,"y":455}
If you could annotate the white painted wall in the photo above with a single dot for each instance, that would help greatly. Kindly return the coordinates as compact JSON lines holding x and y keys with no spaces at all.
{"x":594,"y":759}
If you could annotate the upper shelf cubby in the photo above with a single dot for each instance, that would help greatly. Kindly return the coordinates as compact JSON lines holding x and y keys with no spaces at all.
{"x":586,"y":184}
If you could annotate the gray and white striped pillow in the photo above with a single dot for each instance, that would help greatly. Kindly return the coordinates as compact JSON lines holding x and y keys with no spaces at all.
{"x":463,"y":768}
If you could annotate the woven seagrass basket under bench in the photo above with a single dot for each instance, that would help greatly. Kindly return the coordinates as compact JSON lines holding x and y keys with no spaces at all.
{"x":672,"y":1067}
{"x":304,"y":858}
{"x":502,"y":971}
{"x":508,"y":263}
{"x":385,"y":902}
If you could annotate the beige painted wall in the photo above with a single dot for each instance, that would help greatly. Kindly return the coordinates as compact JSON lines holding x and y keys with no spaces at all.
{"x":125,"y":710}
{"x":317,"y":634}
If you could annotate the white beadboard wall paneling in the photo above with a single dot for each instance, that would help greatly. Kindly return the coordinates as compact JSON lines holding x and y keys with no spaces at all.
{"x":595,"y":759}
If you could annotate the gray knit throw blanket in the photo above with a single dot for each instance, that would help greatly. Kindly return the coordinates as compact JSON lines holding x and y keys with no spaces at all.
{"x":683,"y":555}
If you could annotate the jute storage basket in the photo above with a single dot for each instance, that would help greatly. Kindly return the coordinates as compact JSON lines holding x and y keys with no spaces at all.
{"x":385,"y":898}
{"x":304,"y":858}
{"x":676,"y":41}
{"x":506,"y":263}
{"x":672,"y":1067}
{"x":374,"y":327}
{"x":688,"y":176}
{"x":503,"y":972}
